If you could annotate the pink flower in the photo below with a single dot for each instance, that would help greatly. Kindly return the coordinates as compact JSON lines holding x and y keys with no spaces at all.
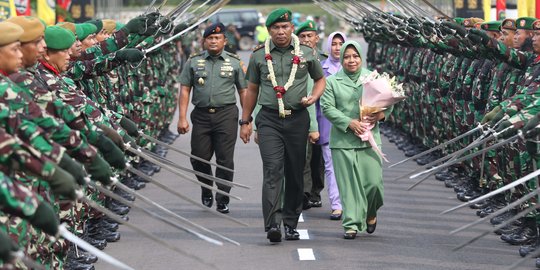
{"x":296,"y":60}
{"x":268,"y":57}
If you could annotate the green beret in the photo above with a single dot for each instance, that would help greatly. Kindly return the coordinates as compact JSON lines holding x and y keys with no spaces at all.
{"x":459,"y":20}
{"x":87,"y":29}
{"x":278,"y":15}
{"x":308,"y":25}
{"x":494,"y":26}
{"x":509,"y":24}
{"x":119,"y":26}
{"x":10,"y":33}
{"x":59,"y":38}
{"x":536,"y":25}
{"x":525,"y":23}
{"x":97,"y":23}
{"x":79,"y":31}
{"x":32,"y":27}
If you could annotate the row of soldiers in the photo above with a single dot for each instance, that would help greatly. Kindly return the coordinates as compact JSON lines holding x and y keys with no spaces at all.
{"x":73,"y":99}
{"x":460,"y":73}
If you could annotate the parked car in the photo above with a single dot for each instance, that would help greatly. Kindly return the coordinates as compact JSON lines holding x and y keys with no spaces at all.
{"x":245,"y":21}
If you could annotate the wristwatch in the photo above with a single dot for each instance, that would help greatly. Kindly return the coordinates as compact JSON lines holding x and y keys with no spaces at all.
{"x":242,"y":122}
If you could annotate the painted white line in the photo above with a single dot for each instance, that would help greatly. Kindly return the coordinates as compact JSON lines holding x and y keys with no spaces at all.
{"x":306,"y":254}
{"x":303,"y":234}
{"x":301,"y":218}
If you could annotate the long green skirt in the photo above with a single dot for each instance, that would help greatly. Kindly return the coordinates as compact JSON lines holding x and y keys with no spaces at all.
{"x":359,"y":179}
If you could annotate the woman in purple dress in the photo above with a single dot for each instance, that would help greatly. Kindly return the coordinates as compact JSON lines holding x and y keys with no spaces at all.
{"x":330,"y":66}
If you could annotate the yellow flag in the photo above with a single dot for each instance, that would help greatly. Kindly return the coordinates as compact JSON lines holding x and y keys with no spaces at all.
{"x":7,"y":9}
{"x":523,"y":8}
{"x":46,"y":11}
{"x":486,"y":6}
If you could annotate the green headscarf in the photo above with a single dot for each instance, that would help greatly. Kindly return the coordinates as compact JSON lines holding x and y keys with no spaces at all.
{"x":352,"y":75}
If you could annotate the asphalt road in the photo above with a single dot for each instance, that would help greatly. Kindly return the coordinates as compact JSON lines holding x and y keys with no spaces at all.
{"x":411,"y":234}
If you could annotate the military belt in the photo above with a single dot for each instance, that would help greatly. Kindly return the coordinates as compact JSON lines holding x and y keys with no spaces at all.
{"x":288,"y":112}
{"x":213,"y":109}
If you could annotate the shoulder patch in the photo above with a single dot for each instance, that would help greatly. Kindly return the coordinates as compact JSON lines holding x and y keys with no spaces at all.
{"x":235,"y":56}
{"x":258,"y":47}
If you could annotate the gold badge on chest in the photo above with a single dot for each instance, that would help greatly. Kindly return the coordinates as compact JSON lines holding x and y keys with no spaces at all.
{"x":201,"y":81}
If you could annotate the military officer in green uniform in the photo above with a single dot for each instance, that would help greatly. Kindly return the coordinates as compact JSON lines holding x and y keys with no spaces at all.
{"x":280,"y":68}
{"x":214,"y":75}
{"x":314,"y":168}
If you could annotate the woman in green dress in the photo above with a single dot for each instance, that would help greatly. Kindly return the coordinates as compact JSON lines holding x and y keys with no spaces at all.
{"x":358,"y":168}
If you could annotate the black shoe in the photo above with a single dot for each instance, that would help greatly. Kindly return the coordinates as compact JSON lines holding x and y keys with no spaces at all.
{"x":208,"y":201}
{"x":274,"y":234}
{"x":118,"y":208}
{"x":526,"y":237}
{"x":105,"y":235}
{"x":222,"y":208}
{"x":76,"y":265}
{"x":336,"y":215}
{"x":134,"y":184}
{"x":306,"y":204}
{"x":525,"y":250}
{"x":147,"y":168}
{"x":291,"y":233}
{"x":316,"y":203}
{"x":502,"y":217}
{"x":81,"y":256}
{"x":110,"y":220}
{"x":371,"y":227}
{"x":99,"y":244}
{"x":124,"y":194}
{"x":103,"y":224}
{"x":349,"y":235}
{"x":537,"y":263}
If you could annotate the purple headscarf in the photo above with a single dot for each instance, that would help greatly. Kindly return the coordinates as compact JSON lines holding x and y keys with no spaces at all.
{"x":332,"y":65}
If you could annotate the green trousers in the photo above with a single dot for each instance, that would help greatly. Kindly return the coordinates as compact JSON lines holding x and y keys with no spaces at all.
{"x":359,"y":179}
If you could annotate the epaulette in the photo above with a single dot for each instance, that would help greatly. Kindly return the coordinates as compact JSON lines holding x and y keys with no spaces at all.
{"x":258,"y":47}
{"x":195,"y":54}
{"x":235,"y":56}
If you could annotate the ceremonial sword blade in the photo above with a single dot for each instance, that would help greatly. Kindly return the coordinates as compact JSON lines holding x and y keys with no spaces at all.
{"x":150,"y":236}
{"x":210,"y":177}
{"x":91,"y":249}
{"x":505,"y":223}
{"x":181,"y":196}
{"x":495,"y":192}
{"x":440,"y":146}
{"x":183,"y":152}
{"x":477,"y":153}
{"x":171,"y":169}
{"x":454,"y":156}
{"x":119,"y":198}
{"x":436,"y":9}
{"x":498,"y":212}
{"x":173,"y":214}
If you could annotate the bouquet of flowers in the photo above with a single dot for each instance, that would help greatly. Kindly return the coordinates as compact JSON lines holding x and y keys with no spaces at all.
{"x":380,"y":92}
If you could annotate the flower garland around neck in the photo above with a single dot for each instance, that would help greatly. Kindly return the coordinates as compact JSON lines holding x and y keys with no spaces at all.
{"x":281,"y":90}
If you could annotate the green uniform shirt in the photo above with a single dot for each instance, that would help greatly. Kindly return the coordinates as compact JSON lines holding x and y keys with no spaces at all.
{"x":213,"y":79}
{"x":258,"y":73}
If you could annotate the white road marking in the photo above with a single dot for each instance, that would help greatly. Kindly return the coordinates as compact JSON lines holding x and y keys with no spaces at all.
{"x":306,"y":254}
{"x":301,"y":218}
{"x":303,"y":234}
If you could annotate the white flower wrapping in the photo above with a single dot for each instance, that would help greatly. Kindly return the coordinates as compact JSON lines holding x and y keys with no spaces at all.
{"x":380,"y":91}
